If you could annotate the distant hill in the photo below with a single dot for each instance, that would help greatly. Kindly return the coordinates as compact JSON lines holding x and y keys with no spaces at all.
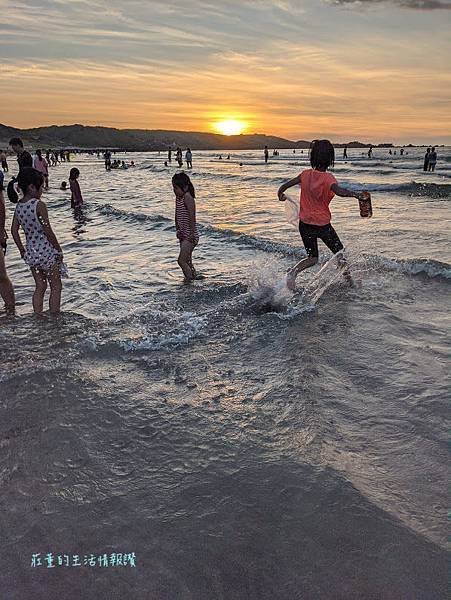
{"x":81,"y":136}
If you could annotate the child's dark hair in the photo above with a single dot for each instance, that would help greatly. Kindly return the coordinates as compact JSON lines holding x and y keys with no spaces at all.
{"x":322,"y":154}
{"x":15,"y":141}
{"x":182,"y":181}
{"x":74,"y":173}
{"x":27,"y":176}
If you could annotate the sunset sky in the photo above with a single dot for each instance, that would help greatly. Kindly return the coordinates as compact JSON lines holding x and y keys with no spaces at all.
{"x":376,"y":70}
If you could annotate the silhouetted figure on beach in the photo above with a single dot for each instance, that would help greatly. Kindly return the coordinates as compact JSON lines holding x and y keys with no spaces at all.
{"x":345,"y":152}
{"x":426,"y":160}
{"x":179,"y":158}
{"x":24,"y":158}
{"x":390,"y":152}
{"x":3,"y":161}
{"x":107,"y":157}
{"x":169,"y":155}
{"x":432,"y":160}
{"x":41,"y":165}
{"x":401,"y":152}
{"x":266,"y":153}
{"x":189,"y":158}
{"x":370,"y":152}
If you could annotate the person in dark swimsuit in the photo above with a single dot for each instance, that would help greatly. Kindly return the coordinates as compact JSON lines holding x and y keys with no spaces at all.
{"x":24,"y":158}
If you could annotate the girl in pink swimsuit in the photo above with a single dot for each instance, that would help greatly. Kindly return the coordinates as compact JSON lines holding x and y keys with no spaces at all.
{"x":185,"y":222}
{"x":41,"y":165}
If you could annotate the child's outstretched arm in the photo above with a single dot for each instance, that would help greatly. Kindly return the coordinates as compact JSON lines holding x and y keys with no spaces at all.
{"x":16,"y":236}
{"x":43,"y":216}
{"x":286,"y":185}
{"x":345,"y":193}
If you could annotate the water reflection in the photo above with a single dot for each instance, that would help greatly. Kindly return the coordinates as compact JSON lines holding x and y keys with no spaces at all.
{"x":80,"y":220}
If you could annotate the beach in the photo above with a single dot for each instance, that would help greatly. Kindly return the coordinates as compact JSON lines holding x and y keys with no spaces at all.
{"x":240,"y":447}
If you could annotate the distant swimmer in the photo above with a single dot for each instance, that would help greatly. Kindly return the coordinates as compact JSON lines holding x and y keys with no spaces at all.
{"x":41,"y":165}
{"x":401,"y":152}
{"x":24,"y":158}
{"x":390,"y":152}
{"x":189,"y":158}
{"x":345,"y":152}
{"x":220,"y":157}
{"x":228,"y":156}
{"x":132,"y":163}
{"x":426,"y":160}
{"x":178,"y":157}
{"x":4,"y":161}
{"x":432,"y":160}
{"x":166,"y":163}
{"x":76,"y":199}
{"x":107,"y":158}
{"x":124,"y":165}
{"x":318,"y":187}
{"x":370,"y":152}
{"x":185,"y":223}
{"x":63,"y":186}
{"x":266,"y":154}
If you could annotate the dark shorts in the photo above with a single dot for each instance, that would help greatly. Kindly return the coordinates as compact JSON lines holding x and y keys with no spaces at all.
{"x":326,"y":233}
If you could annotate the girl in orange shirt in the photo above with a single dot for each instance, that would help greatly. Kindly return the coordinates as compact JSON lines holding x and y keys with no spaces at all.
{"x":318,"y":187}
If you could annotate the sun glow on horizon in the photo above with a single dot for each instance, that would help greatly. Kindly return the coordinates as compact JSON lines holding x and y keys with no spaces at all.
{"x":230,"y":127}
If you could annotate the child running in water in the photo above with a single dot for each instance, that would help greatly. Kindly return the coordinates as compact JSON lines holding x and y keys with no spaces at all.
{"x":43,"y":253}
{"x":317,"y":190}
{"x":76,"y":199}
{"x":185,"y":222}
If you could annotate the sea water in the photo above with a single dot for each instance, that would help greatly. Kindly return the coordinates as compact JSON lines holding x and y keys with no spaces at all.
{"x":244,"y":441}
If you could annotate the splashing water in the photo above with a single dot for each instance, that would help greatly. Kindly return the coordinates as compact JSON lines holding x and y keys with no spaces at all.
{"x":267,"y":286}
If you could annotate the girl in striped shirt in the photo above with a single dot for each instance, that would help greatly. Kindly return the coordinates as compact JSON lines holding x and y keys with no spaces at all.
{"x":185,"y":222}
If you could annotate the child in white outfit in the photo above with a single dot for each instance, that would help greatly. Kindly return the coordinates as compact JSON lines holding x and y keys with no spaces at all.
{"x":42,"y":253}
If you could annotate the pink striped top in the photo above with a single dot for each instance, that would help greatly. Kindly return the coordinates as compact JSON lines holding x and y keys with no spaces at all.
{"x":182,"y":221}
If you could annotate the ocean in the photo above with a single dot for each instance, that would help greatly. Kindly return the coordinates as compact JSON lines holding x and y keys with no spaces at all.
{"x":226,"y":439}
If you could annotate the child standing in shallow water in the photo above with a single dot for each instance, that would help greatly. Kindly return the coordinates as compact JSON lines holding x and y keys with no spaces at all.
{"x":185,"y":222}
{"x":43,"y":253}
{"x":76,"y":199}
{"x":317,"y":190}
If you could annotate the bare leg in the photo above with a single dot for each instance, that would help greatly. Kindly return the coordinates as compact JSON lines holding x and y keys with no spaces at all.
{"x":55,"y":290}
{"x":6,"y":288}
{"x":184,"y":259}
{"x":41,"y":286}
{"x":300,"y":266}
{"x":343,"y":265}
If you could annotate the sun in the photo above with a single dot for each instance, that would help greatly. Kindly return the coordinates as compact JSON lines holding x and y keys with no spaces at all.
{"x":230,"y":127}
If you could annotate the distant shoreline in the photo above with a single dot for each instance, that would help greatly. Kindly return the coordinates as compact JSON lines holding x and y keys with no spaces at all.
{"x":86,"y":137}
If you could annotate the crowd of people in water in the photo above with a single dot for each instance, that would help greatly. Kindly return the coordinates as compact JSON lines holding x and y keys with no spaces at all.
{"x":43,"y":253}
